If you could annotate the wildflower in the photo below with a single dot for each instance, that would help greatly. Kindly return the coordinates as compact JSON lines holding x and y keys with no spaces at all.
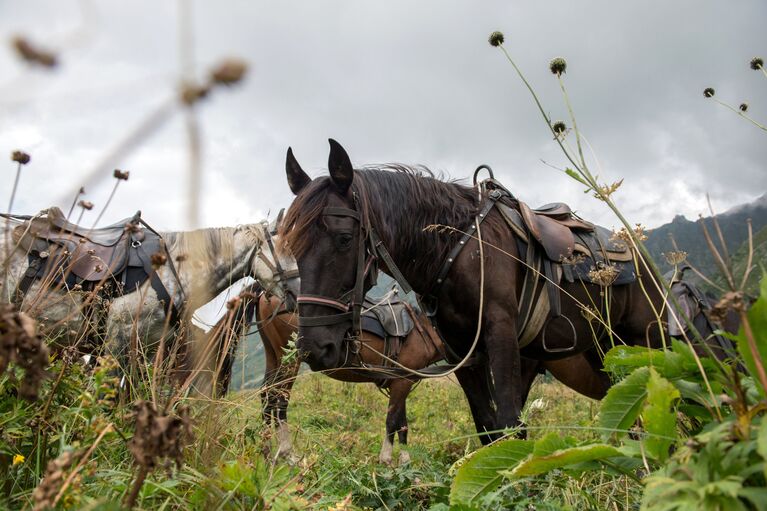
{"x":604,"y":191}
{"x":121,"y":174}
{"x":708,"y":92}
{"x":605,"y":275}
{"x":229,"y":72}
{"x":757,"y":63}
{"x":20,"y":157}
{"x":496,"y":39}
{"x":559,"y":127}
{"x":85,"y":204}
{"x":621,"y":235}
{"x":18,"y":459}
{"x":589,"y":313}
{"x":675,"y":257}
{"x":558,"y":66}
{"x":743,"y":107}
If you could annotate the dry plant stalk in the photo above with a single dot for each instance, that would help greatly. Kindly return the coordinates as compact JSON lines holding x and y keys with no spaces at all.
{"x":20,"y":344}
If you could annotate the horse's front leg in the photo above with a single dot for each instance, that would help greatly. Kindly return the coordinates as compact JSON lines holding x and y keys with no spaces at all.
{"x":511,"y":382}
{"x":478,"y":388}
{"x":396,"y":421}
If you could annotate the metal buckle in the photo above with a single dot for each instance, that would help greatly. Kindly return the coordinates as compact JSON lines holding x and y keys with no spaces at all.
{"x":495,"y":194}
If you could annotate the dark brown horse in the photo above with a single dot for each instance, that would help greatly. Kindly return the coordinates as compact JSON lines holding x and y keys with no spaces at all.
{"x":278,"y":325}
{"x":337,"y":227}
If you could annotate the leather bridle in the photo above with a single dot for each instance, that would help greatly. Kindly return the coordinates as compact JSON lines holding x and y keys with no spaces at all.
{"x":370,"y":250}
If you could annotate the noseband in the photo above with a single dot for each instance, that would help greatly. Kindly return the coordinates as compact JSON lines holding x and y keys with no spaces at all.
{"x":369,"y":250}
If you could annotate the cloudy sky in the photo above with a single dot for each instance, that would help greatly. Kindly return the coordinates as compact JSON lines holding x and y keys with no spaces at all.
{"x":404,"y":81}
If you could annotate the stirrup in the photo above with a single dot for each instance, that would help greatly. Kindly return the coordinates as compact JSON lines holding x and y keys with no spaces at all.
{"x":559,"y":350}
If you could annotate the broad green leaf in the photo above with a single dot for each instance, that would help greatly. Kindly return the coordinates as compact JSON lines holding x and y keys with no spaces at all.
{"x":659,"y":416}
{"x":552,"y":442}
{"x":621,"y":357}
{"x":481,"y":473}
{"x":621,"y":406}
{"x":757,"y":320}
{"x":535,"y":465}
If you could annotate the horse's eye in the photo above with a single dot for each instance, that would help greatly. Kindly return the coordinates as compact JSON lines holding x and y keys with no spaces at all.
{"x":344,"y":240}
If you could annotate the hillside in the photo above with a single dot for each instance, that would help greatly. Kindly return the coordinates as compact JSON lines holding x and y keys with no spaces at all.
{"x":689,"y":235}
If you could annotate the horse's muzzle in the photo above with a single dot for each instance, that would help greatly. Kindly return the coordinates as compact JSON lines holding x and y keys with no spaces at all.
{"x":321,"y":354}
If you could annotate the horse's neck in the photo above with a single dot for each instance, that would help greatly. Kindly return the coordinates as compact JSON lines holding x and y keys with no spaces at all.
{"x":419,"y":247}
{"x":206,"y":273}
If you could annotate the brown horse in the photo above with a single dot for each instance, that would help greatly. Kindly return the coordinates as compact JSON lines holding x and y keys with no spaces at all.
{"x":420,"y":348}
{"x":340,"y":226}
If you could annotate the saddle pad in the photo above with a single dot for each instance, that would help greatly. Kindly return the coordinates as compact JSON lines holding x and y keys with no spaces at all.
{"x":392,"y":314}
{"x":597,"y":250}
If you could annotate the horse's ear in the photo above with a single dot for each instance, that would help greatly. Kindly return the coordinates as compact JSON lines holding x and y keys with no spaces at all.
{"x":340,"y":166}
{"x":297,"y":178}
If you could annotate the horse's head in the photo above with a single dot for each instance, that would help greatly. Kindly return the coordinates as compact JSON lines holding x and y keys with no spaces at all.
{"x":327,"y":230}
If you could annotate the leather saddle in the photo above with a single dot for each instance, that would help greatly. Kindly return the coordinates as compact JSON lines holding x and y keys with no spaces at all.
{"x":87,"y":254}
{"x":387,"y":317}
{"x":552,"y":226}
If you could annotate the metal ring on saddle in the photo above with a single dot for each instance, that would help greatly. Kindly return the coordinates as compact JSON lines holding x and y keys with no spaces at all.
{"x":559,"y":350}
{"x":480,"y":169}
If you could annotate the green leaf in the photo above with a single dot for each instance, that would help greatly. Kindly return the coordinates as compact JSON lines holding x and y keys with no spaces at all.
{"x":573,"y":174}
{"x":623,"y":402}
{"x":535,"y":465}
{"x":659,"y":416}
{"x":757,"y":320}
{"x":481,"y":473}
{"x":552,"y":442}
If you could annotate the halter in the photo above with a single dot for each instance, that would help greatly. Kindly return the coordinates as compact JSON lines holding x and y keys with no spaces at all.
{"x":370,"y":250}
{"x":281,"y":275}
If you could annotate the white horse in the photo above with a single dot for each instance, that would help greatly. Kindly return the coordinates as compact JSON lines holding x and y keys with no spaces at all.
{"x":207,"y":261}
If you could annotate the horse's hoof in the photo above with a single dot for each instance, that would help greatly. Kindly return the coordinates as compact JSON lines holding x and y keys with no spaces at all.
{"x":385,"y":460}
{"x":404,"y":457}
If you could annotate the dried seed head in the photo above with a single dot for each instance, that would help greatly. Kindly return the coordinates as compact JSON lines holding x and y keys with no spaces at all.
{"x":158,"y":259}
{"x":730,"y":300}
{"x":743,"y":107}
{"x":32,"y":54}
{"x":496,"y":39}
{"x":20,"y":157}
{"x":234,"y":303}
{"x":229,"y":72}
{"x":85,"y":204}
{"x":558,"y":66}
{"x":192,"y":93}
{"x":675,"y":257}
{"x":121,"y":175}
{"x":21,"y":345}
{"x":757,"y":63}
{"x":159,"y":435}
{"x":46,"y":492}
{"x":559,"y":127}
{"x":709,"y":92}
{"x":605,"y":275}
